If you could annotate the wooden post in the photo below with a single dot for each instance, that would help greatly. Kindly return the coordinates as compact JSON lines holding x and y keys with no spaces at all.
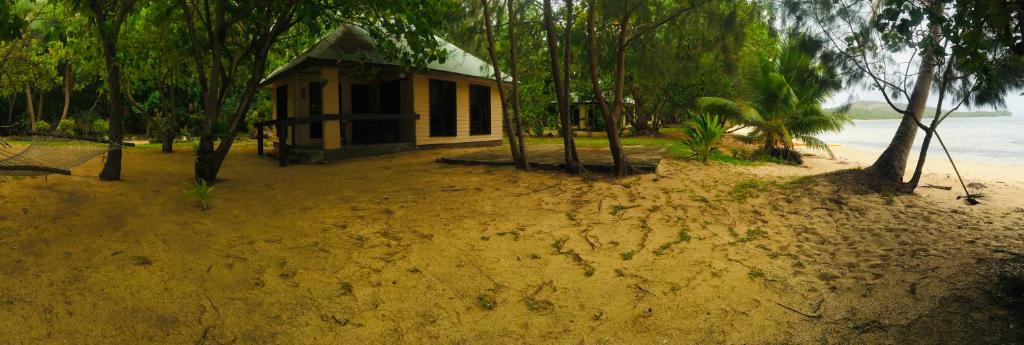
{"x":259,"y":140}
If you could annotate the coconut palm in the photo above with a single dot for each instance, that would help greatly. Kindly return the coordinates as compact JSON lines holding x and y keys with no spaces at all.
{"x":702,"y":133}
{"x":785,"y":104}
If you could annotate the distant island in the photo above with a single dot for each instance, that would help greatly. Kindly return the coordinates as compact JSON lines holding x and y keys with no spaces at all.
{"x":873,"y":110}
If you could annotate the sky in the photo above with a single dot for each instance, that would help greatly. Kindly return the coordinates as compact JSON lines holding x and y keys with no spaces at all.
{"x":1014,"y":100}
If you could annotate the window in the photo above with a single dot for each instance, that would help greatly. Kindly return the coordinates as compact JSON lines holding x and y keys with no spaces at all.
{"x":442,"y":109}
{"x":479,"y":109}
{"x":316,"y":108}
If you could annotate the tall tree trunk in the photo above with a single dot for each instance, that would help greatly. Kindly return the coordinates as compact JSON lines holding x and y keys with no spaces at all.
{"x":171,"y":131}
{"x":572,"y":161}
{"x":30,"y":110}
{"x":39,"y":109}
{"x":514,"y":72}
{"x":911,"y":185}
{"x":891,"y":165}
{"x":611,"y":116}
{"x":109,"y":29}
{"x":507,"y":121}
{"x":10,"y":111}
{"x":69,"y":85}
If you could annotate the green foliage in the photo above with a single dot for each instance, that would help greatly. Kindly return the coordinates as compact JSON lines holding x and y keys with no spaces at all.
{"x":702,"y":133}
{"x":786,"y":102}
{"x":486,"y":302}
{"x":202,"y":192}
{"x":101,"y":127}
{"x":747,"y":189}
{"x":41,"y":126}
{"x":66,"y":127}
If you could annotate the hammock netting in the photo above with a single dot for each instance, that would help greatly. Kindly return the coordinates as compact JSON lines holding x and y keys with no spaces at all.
{"x":48,"y":155}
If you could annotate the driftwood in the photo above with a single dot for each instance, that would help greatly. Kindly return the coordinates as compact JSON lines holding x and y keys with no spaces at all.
{"x":937,"y":187}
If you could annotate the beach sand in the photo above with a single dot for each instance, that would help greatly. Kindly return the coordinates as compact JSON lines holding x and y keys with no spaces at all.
{"x":400,"y":249}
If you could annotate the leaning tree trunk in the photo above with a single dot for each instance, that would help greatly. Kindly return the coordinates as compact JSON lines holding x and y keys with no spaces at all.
{"x":514,"y":72}
{"x":507,"y":123}
{"x":572,"y":161}
{"x":892,"y":164}
{"x":611,"y":116}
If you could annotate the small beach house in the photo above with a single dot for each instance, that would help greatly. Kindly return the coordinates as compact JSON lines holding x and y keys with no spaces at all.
{"x":341,"y":99}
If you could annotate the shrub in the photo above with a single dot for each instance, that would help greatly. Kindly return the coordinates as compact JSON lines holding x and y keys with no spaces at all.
{"x":100,"y":127}
{"x":66,"y":127}
{"x":702,"y":133}
{"x":41,"y":126}
{"x":201,"y":191}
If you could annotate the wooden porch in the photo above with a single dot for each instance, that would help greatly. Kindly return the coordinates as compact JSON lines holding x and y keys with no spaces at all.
{"x":386,"y":139}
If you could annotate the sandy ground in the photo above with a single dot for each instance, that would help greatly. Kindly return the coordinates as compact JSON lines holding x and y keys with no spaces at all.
{"x":399,"y":249}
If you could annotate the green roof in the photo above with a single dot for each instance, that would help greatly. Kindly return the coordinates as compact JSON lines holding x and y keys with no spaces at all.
{"x":352,"y":43}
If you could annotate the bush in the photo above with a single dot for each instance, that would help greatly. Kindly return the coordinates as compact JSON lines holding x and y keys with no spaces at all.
{"x":66,"y":127}
{"x":42,"y":126}
{"x":702,"y":132}
{"x":100,"y":127}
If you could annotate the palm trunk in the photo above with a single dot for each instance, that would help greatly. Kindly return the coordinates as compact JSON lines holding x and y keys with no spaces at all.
{"x":572,"y":162}
{"x":507,"y":124}
{"x":69,"y":85}
{"x":891,"y":165}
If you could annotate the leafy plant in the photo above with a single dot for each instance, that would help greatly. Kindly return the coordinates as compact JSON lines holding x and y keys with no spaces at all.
{"x":785,"y":104}
{"x":41,"y":126}
{"x":66,"y":127}
{"x":486,"y":302}
{"x":100,"y":127}
{"x":702,"y":132}
{"x":201,"y":191}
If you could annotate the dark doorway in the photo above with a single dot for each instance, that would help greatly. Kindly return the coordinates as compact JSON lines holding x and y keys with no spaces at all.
{"x":442,"y":109}
{"x":282,"y":113}
{"x":574,"y":114}
{"x":479,"y":109}
{"x":389,"y":99}
{"x":362,"y":99}
{"x":282,"y":102}
{"x":316,"y":108}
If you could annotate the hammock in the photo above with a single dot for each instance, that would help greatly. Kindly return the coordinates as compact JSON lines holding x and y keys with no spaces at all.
{"x":50,"y":154}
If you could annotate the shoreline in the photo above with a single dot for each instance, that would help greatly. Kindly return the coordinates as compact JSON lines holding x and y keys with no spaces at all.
{"x":1001,"y":185}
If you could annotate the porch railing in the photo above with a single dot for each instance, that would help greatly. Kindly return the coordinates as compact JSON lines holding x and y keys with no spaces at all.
{"x":281,"y":126}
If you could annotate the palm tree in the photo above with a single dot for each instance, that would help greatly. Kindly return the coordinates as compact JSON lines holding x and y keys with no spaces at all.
{"x":785,"y":104}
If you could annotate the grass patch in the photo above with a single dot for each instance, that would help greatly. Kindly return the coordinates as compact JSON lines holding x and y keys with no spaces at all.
{"x":626,"y":256}
{"x":751,"y":235}
{"x":683,"y":236}
{"x":516,"y":233}
{"x":486,"y":302}
{"x":346,"y":289}
{"x":747,"y":189}
{"x":616,"y":209}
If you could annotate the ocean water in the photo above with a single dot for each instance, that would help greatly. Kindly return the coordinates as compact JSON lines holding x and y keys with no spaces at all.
{"x":995,"y":140}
